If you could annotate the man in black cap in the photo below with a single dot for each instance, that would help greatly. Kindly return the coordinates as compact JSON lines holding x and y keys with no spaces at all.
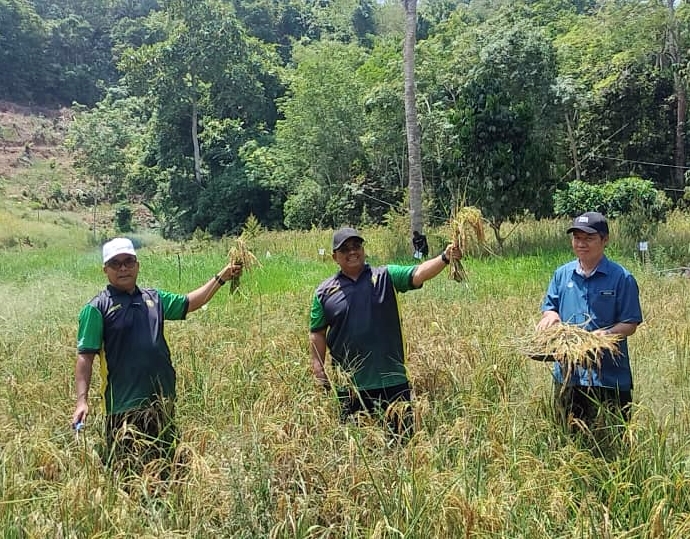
{"x":355,"y":315}
{"x":600,"y":296}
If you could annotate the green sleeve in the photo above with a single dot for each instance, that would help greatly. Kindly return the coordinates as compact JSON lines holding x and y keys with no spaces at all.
{"x":318,"y":318}
{"x":90,"y":332}
{"x":174,"y":305}
{"x":402,"y":277}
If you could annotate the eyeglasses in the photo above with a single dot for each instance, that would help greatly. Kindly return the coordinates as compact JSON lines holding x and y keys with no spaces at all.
{"x":128,"y":263}
{"x":347,"y":247}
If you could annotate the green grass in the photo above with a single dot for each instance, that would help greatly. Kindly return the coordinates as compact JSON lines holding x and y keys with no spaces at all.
{"x":266,"y":456}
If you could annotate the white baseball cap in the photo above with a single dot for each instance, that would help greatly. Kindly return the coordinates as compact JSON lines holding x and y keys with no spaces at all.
{"x":117,"y":246}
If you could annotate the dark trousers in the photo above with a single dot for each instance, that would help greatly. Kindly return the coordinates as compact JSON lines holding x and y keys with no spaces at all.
{"x":591,"y":406}
{"x":391,"y":404}
{"x":136,"y":437}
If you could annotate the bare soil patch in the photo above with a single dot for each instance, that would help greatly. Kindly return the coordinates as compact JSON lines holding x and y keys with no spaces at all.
{"x":37,"y":171}
{"x":29,"y":135}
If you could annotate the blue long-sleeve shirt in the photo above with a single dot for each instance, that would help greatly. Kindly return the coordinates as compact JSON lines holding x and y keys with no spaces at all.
{"x":608,"y":296}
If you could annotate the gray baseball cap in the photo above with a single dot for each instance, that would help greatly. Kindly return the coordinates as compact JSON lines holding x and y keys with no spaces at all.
{"x":341,"y":235}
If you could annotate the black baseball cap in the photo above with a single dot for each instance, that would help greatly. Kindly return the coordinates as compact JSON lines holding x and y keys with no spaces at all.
{"x":591,"y":222}
{"x":341,"y":235}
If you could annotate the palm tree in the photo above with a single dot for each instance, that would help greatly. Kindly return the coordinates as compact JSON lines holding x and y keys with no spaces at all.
{"x":414,"y":153}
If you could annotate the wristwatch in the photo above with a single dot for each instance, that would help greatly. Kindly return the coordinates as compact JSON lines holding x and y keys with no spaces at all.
{"x":445,"y":259}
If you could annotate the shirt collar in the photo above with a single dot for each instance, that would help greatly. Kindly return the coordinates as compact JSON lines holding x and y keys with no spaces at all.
{"x":117,"y":292}
{"x":601,"y":267}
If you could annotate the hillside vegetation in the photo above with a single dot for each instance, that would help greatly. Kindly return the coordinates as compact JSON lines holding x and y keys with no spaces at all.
{"x":294,"y":110}
{"x":40,"y":187}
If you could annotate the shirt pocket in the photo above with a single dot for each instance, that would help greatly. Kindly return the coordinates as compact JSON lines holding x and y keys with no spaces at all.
{"x":604,"y":308}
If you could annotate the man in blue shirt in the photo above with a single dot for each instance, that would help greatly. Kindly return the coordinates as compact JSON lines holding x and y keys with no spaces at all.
{"x":600,"y":296}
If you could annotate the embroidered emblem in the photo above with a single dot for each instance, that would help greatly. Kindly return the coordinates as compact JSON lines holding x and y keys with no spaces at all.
{"x":114,"y":308}
{"x":332,"y":290}
{"x":149,"y":303}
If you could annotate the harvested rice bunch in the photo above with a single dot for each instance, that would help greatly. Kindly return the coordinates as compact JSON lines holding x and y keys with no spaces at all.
{"x":571,"y":346}
{"x":240,"y":255}
{"x":464,"y":221}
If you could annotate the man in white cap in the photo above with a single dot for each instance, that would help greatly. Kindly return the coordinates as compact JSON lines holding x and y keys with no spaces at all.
{"x":124,"y":326}
{"x":600,"y":296}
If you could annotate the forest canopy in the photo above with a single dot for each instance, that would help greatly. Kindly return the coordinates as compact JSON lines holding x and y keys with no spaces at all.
{"x":293,"y":110}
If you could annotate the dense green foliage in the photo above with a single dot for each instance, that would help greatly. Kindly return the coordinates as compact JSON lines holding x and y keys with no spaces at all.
{"x":613,"y":199}
{"x":292,"y":110}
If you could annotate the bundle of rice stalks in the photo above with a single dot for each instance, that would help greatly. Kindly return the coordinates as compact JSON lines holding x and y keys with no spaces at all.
{"x":464,"y":221}
{"x":240,"y":255}
{"x":570,"y":345}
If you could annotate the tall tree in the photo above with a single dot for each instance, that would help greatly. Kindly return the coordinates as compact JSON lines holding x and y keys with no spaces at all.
{"x":414,"y":152}
{"x":206,"y":69}
{"x":674,"y":50}
{"x":318,"y":153}
{"x":498,"y":117}
{"x":616,"y":68}
{"x":23,"y":37}
{"x":384,"y":139}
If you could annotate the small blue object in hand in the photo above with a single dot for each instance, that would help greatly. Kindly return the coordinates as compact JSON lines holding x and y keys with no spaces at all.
{"x":78,"y":426}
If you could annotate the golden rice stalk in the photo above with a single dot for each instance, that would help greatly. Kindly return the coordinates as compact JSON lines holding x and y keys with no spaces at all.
{"x":464,"y":221}
{"x":570,"y":345}
{"x":240,"y":255}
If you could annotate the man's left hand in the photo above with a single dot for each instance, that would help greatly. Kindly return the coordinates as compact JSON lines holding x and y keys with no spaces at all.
{"x":231,"y":271}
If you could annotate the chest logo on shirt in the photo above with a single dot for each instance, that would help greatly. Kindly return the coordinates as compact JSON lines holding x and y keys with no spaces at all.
{"x":114,"y":308}
{"x":570,"y":284}
{"x":149,"y":303}
{"x":332,"y":290}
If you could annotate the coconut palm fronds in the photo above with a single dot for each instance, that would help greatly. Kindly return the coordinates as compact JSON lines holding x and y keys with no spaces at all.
{"x":466,"y":220}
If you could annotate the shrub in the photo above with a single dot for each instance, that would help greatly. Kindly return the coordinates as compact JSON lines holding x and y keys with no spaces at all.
{"x":622,"y":197}
{"x":123,"y":218}
{"x":304,"y":208}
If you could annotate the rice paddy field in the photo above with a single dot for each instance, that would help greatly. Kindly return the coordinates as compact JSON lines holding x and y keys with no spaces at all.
{"x":263,"y":452}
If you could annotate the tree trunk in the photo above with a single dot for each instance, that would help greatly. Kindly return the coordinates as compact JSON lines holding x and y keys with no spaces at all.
{"x":195,"y":142}
{"x":573,"y":146}
{"x":414,"y":152}
{"x":680,"y":90}
{"x":679,"y":149}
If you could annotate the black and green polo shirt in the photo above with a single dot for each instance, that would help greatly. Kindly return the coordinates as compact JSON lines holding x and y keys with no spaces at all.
{"x":126,"y":330}
{"x":364,"y":333}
